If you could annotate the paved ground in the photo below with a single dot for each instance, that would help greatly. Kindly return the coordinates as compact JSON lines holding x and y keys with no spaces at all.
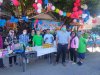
{"x":42,"y":67}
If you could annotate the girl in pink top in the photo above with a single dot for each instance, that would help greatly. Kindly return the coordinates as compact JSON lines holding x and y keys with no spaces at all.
{"x":74,"y":42}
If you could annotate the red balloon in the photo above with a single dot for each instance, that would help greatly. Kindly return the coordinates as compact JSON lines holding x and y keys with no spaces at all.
{"x":75,"y":9}
{"x":76,"y":15}
{"x":80,"y":12}
{"x":35,"y":6}
{"x":77,"y":1}
{"x":72,"y":15}
{"x":15,"y":2}
{"x":77,"y":4}
{"x":40,"y":1}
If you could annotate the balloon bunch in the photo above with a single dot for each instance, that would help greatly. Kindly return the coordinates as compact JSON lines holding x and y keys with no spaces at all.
{"x":2,"y":22}
{"x":15,"y":2}
{"x":76,"y":11}
{"x":38,"y":6}
{"x":86,"y":13}
{"x":1,"y":1}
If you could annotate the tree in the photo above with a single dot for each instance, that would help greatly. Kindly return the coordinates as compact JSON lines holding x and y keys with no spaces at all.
{"x":25,"y":7}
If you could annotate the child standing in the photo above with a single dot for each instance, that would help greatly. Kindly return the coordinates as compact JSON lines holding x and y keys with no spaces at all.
{"x":81,"y":49}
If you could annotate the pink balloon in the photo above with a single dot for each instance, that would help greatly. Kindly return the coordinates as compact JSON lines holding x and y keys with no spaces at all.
{"x":60,"y":12}
{"x":75,"y":9}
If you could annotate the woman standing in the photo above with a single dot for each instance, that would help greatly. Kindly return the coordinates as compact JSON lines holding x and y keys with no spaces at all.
{"x":9,"y":41}
{"x":74,"y":42}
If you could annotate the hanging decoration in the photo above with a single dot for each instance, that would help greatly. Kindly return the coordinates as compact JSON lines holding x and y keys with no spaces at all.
{"x":80,"y":12}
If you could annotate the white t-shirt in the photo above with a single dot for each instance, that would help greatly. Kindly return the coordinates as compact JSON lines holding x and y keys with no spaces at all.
{"x":48,"y":38}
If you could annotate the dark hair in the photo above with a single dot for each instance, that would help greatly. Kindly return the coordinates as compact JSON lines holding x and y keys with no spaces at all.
{"x":73,"y":32}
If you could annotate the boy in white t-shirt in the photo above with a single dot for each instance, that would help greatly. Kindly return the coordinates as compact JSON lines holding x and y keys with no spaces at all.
{"x":48,"y":38}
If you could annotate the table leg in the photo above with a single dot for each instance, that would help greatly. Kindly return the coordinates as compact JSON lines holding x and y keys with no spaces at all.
{"x":50,"y":58}
{"x":24,"y":64}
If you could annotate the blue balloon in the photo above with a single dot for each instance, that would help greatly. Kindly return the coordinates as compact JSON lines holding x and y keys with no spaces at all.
{"x":16,"y":20}
{"x":86,"y":12}
{"x":64,"y":14}
{"x":2,"y":22}
{"x":45,"y":1}
{"x":13,"y":19}
{"x":86,"y":19}
{"x":25,"y":19}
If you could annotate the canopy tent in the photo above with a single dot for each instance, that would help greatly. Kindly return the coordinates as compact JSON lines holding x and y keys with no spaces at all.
{"x":43,"y":17}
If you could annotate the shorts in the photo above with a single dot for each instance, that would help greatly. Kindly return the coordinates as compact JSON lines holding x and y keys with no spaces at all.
{"x":81,"y":55}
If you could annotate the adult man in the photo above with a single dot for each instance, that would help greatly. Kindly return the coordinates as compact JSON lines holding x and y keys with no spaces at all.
{"x":62,"y":40}
{"x":48,"y":38}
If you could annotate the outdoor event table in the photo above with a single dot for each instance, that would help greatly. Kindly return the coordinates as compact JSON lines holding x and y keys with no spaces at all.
{"x":40,"y":51}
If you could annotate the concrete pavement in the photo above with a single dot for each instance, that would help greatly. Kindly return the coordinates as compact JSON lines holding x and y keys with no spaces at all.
{"x":42,"y":67}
